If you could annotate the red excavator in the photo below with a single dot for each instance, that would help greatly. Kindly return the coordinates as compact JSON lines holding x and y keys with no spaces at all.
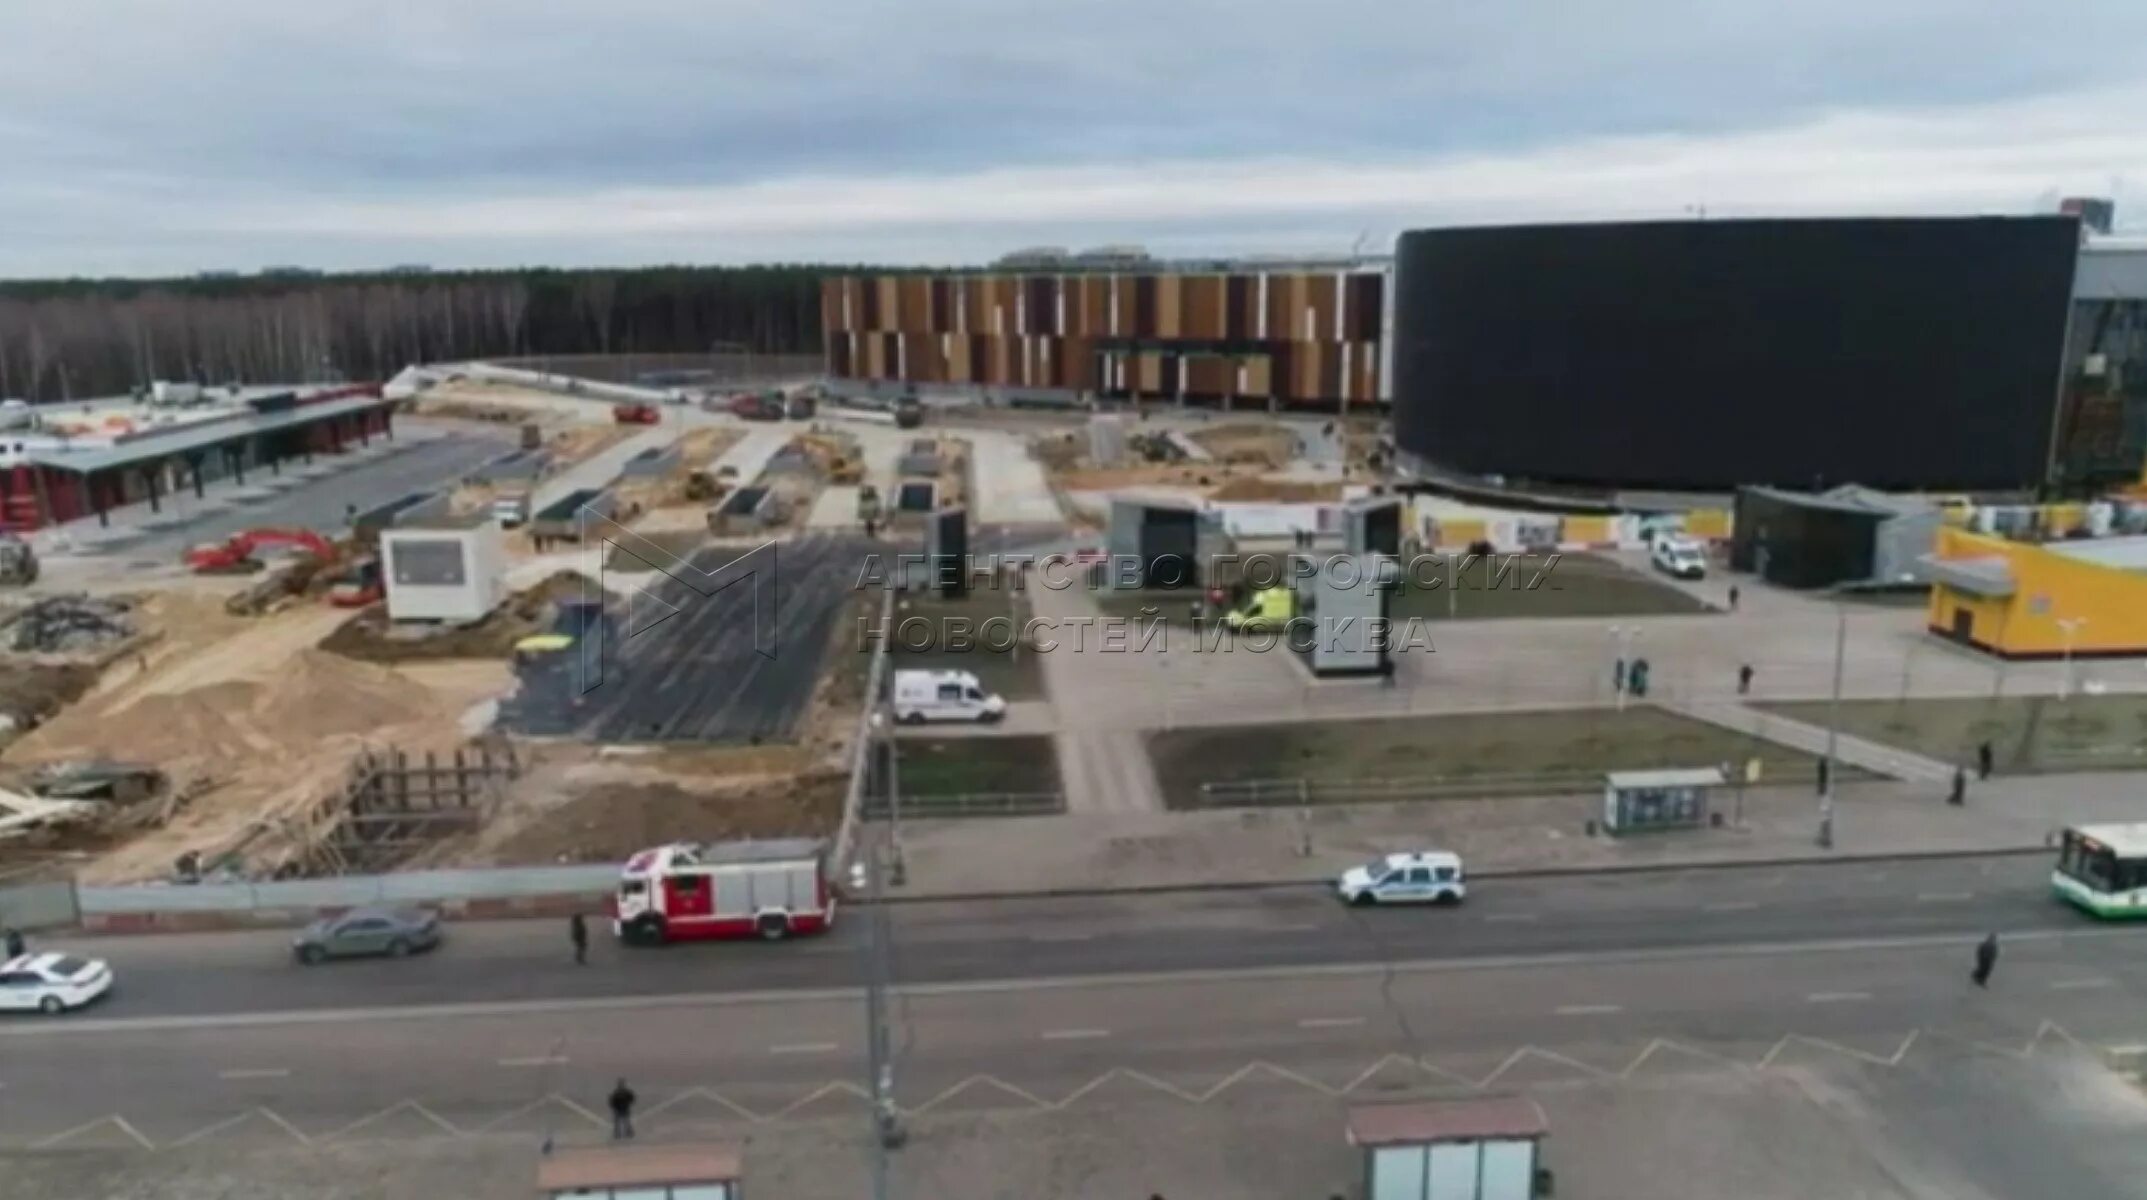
{"x":235,"y":555}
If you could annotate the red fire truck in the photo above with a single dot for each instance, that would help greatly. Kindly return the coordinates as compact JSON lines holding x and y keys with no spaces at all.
{"x":765,"y":889}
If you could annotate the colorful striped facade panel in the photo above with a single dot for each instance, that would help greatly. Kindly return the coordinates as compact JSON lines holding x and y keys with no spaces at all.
{"x":1300,"y":337}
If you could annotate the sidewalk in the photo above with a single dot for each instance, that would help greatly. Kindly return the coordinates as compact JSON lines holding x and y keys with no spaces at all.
{"x":1888,"y":761}
{"x":1082,"y":852}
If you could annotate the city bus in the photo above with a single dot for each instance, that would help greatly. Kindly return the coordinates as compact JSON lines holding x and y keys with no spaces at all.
{"x":2103,"y":869}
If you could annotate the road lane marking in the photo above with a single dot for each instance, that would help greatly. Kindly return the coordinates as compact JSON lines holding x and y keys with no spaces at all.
{"x":1944,"y":897}
{"x":1588,"y":1010}
{"x":1062,"y":937}
{"x":1730,"y":906}
{"x":1836,"y":997}
{"x":1306,"y":928}
{"x":536,"y":1060}
{"x":253,"y":1073}
{"x":803,"y":1048}
{"x":1513,"y":917}
{"x":1329,"y":1022}
{"x":1075,"y":1035}
{"x":2079,"y":985}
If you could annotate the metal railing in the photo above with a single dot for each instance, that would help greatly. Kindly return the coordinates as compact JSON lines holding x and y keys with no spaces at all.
{"x":412,"y":887}
{"x":1278,"y":793}
{"x":854,"y":799}
{"x":970,"y":804}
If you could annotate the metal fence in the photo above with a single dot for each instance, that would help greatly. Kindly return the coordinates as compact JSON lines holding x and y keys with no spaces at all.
{"x":970,"y":804}
{"x":413,"y":887}
{"x":46,"y":904}
{"x":1282,"y":793}
{"x":854,"y":800}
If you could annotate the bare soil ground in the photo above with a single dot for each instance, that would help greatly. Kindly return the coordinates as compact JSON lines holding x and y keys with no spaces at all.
{"x":366,"y":636}
{"x":251,"y":715}
{"x":603,"y":810}
{"x":1250,"y":443}
{"x":600,"y":804}
{"x":1279,"y":491}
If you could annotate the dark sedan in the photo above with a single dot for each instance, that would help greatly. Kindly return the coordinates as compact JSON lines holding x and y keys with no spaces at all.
{"x":367,"y":933}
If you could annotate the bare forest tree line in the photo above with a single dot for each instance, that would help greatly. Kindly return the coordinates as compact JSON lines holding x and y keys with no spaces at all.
{"x":81,"y":338}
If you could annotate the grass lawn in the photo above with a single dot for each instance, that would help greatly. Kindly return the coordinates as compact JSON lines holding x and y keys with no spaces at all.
{"x":1577,"y":585}
{"x":2027,"y":733}
{"x":945,"y":766}
{"x":929,"y":629}
{"x":1462,"y":754}
{"x":1531,"y":585}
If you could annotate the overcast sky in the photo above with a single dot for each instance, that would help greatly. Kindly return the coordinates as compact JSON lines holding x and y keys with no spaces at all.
{"x":149,"y":136}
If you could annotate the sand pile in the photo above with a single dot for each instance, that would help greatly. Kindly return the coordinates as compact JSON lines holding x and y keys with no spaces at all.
{"x":271,"y":743}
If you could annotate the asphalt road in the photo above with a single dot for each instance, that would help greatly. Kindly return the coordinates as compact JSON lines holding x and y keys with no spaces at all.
{"x":1031,"y":1003}
{"x":1061,"y":937}
{"x":695,"y":675}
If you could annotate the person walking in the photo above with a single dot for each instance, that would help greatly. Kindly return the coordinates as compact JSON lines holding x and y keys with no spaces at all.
{"x":1986,"y":959}
{"x":578,"y":933}
{"x":1823,"y":771}
{"x":16,"y":946}
{"x":622,"y":1112}
{"x":1733,"y":597}
{"x":1744,"y":679}
{"x":1984,"y":759}
{"x":1959,"y":795}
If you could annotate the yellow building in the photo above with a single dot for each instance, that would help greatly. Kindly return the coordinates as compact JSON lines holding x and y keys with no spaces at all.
{"x":2019,"y":600}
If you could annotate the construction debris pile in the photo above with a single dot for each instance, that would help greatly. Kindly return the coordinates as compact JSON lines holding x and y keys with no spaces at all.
{"x":70,"y":624}
{"x":257,"y":738}
{"x":54,"y":805}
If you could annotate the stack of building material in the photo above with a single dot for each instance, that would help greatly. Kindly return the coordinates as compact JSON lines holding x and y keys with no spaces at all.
{"x":69,"y":624}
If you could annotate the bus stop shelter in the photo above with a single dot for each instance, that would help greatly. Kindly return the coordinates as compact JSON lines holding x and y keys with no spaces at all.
{"x":1472,"y":1149}
{"x":1647,"y":801}
{"x":660,"y":1171}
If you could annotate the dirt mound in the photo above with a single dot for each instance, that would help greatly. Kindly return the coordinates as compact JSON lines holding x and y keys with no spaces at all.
{"x":314,"y":696}
{"x":607,"y":822}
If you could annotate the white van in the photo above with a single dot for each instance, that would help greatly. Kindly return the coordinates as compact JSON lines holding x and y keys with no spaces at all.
{"x":1678,"y":556}
{"x":922,"y":696}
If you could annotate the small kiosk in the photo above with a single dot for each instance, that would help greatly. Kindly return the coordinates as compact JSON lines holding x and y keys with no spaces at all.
{"x":1647,"y":801}
{"x":1476,"y":1149}
{"x":677,"y":1171}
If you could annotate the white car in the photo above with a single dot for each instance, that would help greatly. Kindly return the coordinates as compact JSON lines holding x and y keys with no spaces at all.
{"x":52,"y":983}
{"x":1678,"y":557}
{"x":1423,"y":877}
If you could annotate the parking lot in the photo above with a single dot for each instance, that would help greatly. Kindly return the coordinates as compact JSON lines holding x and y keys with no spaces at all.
{"x":695,"y":675}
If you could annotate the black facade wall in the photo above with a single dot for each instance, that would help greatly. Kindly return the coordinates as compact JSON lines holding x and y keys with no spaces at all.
{"x":1703,"y":355}
{"x":1802,"y":545}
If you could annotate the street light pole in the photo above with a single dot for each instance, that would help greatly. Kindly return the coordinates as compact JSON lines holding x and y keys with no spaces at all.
{"x":2071,"y":626}
{"x":888,"y":1134}
{"x":1833,"y":726}
{"x":897,"y":866}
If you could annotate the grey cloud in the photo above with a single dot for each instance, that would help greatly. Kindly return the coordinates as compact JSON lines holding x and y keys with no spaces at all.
{"x":406,"y":99}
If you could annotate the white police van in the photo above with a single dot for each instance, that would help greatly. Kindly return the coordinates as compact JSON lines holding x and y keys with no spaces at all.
{"x":1678,"y":556}
{"x":1420,"y":877}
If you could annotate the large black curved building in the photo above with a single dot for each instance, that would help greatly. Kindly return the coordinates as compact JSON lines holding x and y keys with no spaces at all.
{"x":1701,"y":355}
